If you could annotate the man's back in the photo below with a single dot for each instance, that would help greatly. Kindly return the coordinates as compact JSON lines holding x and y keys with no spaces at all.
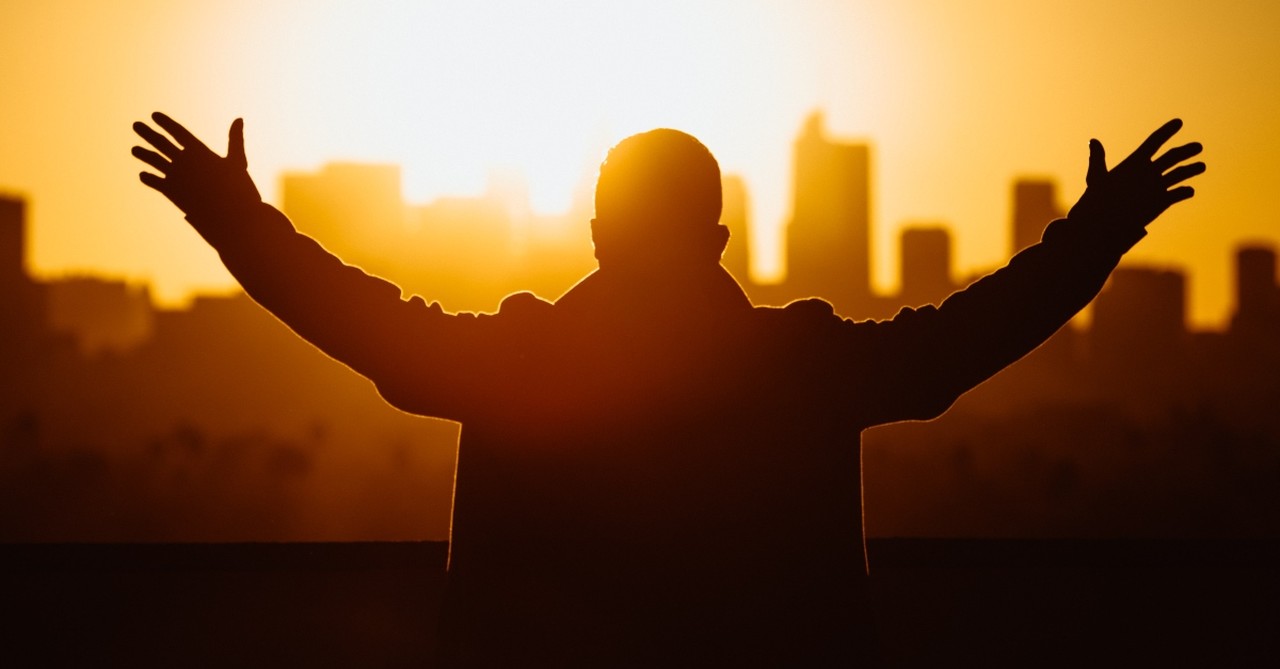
{"x":660,"y":476}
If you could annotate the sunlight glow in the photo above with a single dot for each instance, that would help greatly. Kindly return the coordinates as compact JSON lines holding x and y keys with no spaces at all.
{"x":957,"y":99}
{"x":453,"y":90}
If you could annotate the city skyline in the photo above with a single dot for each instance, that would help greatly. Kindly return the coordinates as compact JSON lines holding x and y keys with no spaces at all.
{"x":467,"y":252}
{"x":956,"y":100}
{"x":1033,"y":201}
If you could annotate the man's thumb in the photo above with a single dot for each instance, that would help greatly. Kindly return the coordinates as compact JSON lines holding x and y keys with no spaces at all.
{"x":1097,"y":163}
{"x":235,"y":144}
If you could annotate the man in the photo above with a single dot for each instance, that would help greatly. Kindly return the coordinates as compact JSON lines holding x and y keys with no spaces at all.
{"x":652,"y":472}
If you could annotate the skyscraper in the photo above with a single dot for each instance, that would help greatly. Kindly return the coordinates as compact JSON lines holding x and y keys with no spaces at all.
{"x":1035,"y":204}
{"x":737,"y":254}
{"x":354,"y":209}
{"x":926,"y":266}
{"x":1139,"y":318}
{"x":21,"y":299}
{"x":12,"y":241}
{"x":829,"y":234}
{"x":1257,"y":295}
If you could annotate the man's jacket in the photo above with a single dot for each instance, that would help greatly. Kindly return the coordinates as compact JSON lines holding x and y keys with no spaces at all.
{"x":651,"y":470}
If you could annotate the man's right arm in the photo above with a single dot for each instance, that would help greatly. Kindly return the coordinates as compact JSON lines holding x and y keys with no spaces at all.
{"x":416,"y":354}
{"x":925,"y":358}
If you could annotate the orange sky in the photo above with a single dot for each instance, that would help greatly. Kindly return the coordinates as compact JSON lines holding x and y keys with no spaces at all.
{"x":956,"y":98}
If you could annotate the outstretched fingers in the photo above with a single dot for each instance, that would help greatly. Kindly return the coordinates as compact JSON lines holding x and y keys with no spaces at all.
{"x":175,"y":129}
{"x":1147,"y":150}
{"x":1143,"y":185}
{"x":1182,"y":173}
{"x":151,"y":158}
{"x":1178,"y":195}
{"x":153,"y":181}
{"x":185,"y":170}
{"x":157,"y":140}
{"x":1176,"y":155}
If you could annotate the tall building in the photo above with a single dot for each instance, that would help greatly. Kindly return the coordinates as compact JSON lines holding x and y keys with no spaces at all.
{"x":22,"y":304}
{"x":1257,"y":295}
{"x":829,"y":234}
{"x":737,"y":255}
{"x":1035,"y":204}
{"x":1139,"y":318}
{"x":13,"y":241}
{"x":354,"y":209}
{"x":925,"y":266}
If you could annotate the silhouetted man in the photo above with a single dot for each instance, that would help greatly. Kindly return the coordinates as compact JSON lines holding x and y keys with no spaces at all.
{"x":652,"y":472}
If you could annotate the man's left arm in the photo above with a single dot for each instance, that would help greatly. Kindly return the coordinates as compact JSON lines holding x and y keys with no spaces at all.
{"x":422,"y":359}
{"x":924,"y":359}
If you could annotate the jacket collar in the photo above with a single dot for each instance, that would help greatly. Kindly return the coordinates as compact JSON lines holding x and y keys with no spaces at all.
{"x":713,"y":290}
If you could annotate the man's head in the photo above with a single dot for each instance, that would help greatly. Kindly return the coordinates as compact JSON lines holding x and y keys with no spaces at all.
{"x":658,"y":203}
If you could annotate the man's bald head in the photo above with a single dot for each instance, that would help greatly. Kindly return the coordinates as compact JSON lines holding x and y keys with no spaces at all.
{"x":658,"y":199}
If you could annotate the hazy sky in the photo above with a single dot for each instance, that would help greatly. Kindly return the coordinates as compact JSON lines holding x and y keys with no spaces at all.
{"x":957,"y":98}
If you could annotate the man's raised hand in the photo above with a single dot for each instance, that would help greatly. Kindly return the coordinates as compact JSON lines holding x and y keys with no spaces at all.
{"x":1140,"y":187}
{"x":192,"y":176}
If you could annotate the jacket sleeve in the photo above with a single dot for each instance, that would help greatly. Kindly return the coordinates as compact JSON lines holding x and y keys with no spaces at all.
{"x":916,"y":365}
{"x":420,"y":358}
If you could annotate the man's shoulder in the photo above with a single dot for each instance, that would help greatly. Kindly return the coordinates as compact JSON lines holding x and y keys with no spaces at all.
{"x":813,"y":307}
{"x":523,"y":314}
{"x":523,"y":304}
{"x":813,"y":320}
{"x":811,"y":311}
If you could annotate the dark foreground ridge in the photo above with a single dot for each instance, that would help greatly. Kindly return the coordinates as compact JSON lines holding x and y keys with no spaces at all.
{"x":1066,"y":603}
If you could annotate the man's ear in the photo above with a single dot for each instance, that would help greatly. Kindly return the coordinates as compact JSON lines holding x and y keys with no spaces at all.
{"x":721,"y":238}
{"x":598,"y":230}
